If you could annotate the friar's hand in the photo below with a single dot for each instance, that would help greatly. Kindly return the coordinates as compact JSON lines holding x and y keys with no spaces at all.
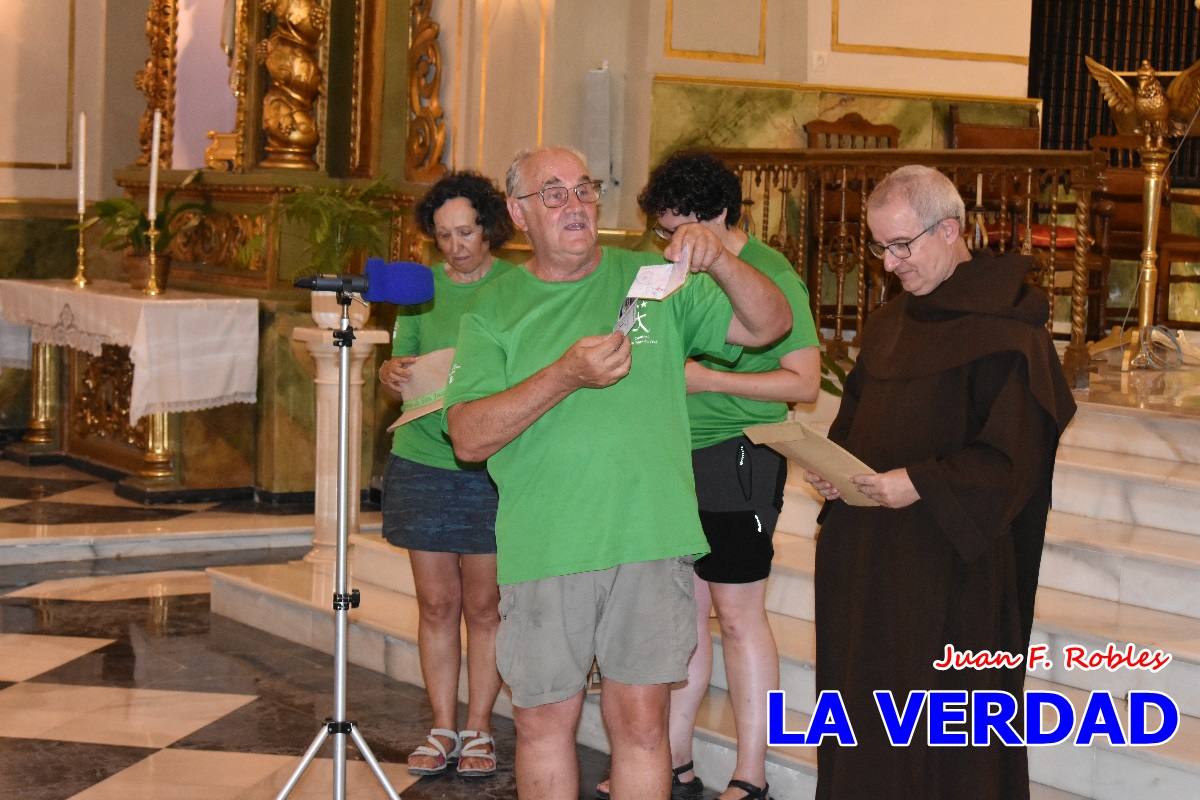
{"x":395,"y":372}
{"x":823,"y":487}
{"x":891,"y":489}
{"x":597,"y":361}
{"x":697,"y":246}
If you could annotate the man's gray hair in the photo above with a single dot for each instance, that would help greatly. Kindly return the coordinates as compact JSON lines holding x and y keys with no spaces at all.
{"x":930,"y":194}
{"x":512,"y":178}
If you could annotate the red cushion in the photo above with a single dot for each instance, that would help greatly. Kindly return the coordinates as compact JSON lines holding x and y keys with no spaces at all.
{"x":1064,"y":238}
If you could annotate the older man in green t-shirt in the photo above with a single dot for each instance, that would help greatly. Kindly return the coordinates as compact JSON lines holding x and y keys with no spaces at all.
{"x":586,"y":434}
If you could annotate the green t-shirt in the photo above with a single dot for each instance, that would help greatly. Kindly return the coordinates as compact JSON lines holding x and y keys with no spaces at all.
{"x":716,"y":417}
{"x":604,"y":477}
{"x":423,"y":329}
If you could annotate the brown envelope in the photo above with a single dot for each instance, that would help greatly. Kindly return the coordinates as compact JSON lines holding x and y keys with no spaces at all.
{"x":801,"y":443}
{"x":424,"y":392}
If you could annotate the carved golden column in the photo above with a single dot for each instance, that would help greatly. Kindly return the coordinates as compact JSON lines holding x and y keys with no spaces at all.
{"x":43,"y":404}
{"x":157,"y":456}
{"x":426,"y":127}
{"x":292,"y":58}
{"x":1076,"y":358}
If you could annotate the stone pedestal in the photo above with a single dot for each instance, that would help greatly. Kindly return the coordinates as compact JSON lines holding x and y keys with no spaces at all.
{"x":319,"y":342}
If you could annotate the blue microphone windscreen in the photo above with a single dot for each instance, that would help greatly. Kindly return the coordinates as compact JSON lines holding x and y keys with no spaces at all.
{"x":403,"y":283}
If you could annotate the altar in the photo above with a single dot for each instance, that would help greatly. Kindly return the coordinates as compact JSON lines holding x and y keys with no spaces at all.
{"x":114,"y":369}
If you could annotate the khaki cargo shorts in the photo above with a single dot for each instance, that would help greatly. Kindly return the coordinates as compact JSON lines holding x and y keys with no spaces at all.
{"x":638,"y":621}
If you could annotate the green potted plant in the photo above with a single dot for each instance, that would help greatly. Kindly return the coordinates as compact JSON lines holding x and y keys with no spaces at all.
{"x":339,"y":222}
{"x":126,"y":227}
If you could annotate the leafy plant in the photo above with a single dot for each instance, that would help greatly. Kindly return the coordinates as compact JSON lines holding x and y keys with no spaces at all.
{"x":340,"y":221}
{"x":126,"y":225}
{"x":831,"y":370}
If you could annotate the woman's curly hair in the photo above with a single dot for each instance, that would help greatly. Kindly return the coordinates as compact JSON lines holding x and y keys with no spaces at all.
{"x":491,"y":213}
{"x":693,"y":183}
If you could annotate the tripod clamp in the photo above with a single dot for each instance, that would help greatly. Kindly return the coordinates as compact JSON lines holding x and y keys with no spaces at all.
{"x":343,"y":602}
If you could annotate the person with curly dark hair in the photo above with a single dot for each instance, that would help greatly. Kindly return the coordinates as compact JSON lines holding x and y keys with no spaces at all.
{"x":443,"y":510}
{"x":739,"y":485}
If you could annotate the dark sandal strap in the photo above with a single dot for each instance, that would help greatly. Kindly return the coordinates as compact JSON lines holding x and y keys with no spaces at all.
{"x":682,"y":768}
{"x":752,"y":792}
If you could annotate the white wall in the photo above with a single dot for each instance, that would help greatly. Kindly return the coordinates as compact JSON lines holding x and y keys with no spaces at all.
{"x":982,"y":46}
{"x":522,"y":55}
{"x":47,"y":77}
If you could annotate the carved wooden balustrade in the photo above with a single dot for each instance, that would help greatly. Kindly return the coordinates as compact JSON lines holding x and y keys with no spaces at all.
{"x":808,"y":204}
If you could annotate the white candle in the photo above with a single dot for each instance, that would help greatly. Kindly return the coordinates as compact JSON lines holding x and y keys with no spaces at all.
{"x":152,"y":211}
{"x":979,"y":190}
{"x":81,"y":143}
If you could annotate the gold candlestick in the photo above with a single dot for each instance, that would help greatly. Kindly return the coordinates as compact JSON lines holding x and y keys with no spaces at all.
{"x":152,"y":282}
{"x":80,"y":279}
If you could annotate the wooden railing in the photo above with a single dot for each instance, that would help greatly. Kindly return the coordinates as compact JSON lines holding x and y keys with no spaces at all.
{"x":808,"y":204}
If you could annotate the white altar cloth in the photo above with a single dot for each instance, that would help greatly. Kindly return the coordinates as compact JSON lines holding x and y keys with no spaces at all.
{"x":189,"y":350}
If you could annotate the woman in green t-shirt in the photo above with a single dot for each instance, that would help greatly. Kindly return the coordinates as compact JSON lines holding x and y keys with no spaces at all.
{"x":444,"y":511}
{"x":739,"y":485}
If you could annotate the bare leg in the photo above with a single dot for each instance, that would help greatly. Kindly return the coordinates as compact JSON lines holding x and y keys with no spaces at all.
{"x":636,"y":718}
{"x":481,"y":601}
{"x":439,"y":604}
{"x":752,"y":670}
{"x":547,"y":767}
{"x":686,"y":699}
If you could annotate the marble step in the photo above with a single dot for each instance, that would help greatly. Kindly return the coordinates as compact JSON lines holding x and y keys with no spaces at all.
{"x":1134,"y":564}
{"x":114,"y":540}
{"x":292,"y":601}
{"x":1135,"y":431}
{"x":1063,"y":619}
{"x":1128,"y":488}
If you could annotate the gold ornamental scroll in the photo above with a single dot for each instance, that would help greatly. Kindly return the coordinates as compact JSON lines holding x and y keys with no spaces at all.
{"x":291,"y":55}
{"x":426,"y":124}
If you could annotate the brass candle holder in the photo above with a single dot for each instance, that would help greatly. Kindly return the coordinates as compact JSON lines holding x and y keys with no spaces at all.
{"x":152,"y":282}
{"x":80,"y":279}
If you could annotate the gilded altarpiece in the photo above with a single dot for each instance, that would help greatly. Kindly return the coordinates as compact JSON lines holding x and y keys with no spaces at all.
{"x":322,"y":97}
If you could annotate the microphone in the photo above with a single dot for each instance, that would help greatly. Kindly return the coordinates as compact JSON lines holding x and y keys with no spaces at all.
{"x":402,"y":283}
{"x":347,"y":284}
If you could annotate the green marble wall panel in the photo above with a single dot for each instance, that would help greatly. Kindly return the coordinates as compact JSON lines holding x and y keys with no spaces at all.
{"x":29,"y":248}
{"x":36,"y":248}
{"x":698,"y":115}
{"x":691,"y":115}
{"x":218,"y":446}
{"x":984,"y":113}
{"x":287,"y":405}
{"x":14,"y":402}
{"x":913,"y":116}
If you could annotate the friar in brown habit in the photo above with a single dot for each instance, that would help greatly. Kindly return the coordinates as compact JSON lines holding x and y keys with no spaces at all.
{"x":957,"y":401}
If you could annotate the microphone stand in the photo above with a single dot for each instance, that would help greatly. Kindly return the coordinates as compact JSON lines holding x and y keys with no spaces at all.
{"x":343,"y":601}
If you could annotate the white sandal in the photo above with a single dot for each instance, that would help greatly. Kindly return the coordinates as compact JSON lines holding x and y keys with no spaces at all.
{"x":473,"y":743}
{"x":437,"y":750}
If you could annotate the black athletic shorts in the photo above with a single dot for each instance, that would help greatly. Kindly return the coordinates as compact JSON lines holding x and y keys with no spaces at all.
{"x":739,"y":489}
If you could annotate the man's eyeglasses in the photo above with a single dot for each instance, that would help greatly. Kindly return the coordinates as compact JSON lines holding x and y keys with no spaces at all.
{"x":901,"y":249}
{"x":557,"y":196}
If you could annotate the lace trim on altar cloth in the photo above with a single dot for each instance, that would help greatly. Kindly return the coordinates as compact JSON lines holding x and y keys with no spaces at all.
{"x":65,"y":333}
{"x":178,"y":406}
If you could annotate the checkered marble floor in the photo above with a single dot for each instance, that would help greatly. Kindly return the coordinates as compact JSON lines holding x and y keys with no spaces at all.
{"x":116,"y":680}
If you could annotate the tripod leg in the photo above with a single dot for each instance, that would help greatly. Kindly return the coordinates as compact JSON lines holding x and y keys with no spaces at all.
{"x":309,"y":755}
{"x":365,"y":750}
